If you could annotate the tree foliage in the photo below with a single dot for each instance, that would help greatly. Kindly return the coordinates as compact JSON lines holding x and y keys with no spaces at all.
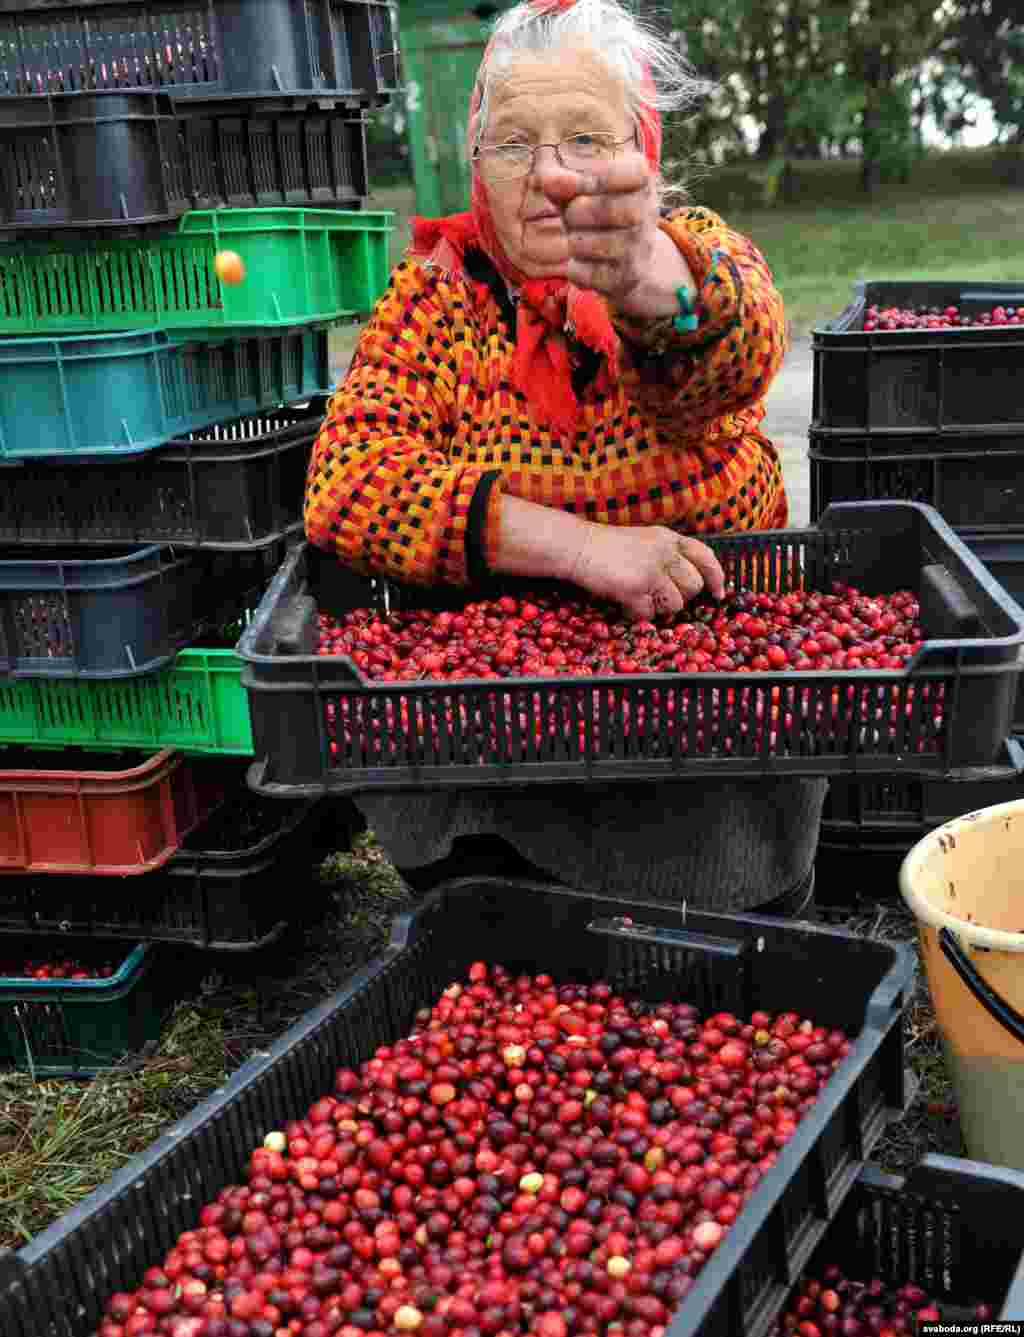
{"x":982,"y":55}
{"x":809,"y":77}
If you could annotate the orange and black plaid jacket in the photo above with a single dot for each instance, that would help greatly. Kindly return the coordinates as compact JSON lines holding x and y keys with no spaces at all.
{"x":426,"y":431}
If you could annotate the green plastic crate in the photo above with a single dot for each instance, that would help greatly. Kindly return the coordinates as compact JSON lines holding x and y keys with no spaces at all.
{"x":196,"y":704}
{"x":301,"y":265}
{"x":78,"y":1028}
{"x":122,"y":394}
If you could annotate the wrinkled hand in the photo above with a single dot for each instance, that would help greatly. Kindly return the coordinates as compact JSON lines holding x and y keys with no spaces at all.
{"x":647,"y":569}
{"x":611,"y":223}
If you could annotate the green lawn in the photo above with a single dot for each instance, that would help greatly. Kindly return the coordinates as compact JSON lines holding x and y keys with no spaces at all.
{"x":816,"y":253}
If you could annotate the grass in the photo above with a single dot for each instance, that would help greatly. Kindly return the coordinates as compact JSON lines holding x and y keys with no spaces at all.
{"x":60,"y":1139}
{"x":816,"y":256}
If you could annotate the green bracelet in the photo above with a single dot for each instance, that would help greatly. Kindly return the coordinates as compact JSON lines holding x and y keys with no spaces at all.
{"x":687,"y":320}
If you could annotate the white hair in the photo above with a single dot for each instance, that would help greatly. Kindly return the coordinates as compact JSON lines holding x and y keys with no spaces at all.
{"x":630,"y":47}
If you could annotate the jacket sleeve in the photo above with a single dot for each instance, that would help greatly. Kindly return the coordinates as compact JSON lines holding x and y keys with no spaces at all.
{"x":728,"y":362}
{"x":382,"y":493}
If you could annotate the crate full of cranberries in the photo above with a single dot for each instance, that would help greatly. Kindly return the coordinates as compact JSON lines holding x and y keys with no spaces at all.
{"x":938,"y":357}
{"x":942,"y":1245}
{"x":537,"y":1112}
{"x":875,"y":642}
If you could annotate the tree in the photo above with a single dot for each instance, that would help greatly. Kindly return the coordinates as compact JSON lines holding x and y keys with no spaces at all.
{"x":812,"y":73}
{"x":884,"y":45}
{"x":769,"y":58}
{"x":983,"y":56}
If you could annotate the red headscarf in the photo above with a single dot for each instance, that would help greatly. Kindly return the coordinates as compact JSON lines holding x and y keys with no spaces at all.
{"x":541,"y":367}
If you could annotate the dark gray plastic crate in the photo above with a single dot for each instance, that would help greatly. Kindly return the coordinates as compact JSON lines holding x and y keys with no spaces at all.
{"x":948,"y":381}
{"x":161,"y":158}
{"x":527,"y":730}
{"x":238,"y":484}
{"x":953,"y":1227}
{"x":260,"y":152}
{"x":209,"y":47}
{"x":1003,"y":556}
{"x":119,"y":615}
{"x":89,"y":159}
{"x":976,"y":482}
{"x":896,"y":814}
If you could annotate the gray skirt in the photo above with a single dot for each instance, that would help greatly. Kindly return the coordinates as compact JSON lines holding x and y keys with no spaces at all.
{"x":717,"y":845}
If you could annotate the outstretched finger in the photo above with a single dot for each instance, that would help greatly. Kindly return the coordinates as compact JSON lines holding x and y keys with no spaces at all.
{"x":621,"y":176}
{"x":618,"y":177}
{"x":610,"y":212}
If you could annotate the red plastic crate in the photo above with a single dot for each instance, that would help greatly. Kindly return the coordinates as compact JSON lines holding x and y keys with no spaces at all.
{"x":111,"y":817}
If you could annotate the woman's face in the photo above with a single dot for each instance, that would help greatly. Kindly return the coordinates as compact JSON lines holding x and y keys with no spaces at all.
{"x":543,"y":100}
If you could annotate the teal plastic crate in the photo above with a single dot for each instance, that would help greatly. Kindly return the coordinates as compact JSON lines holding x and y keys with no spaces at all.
{"x":197,"y":704}
{"x":301,"y":265}
{"x":122,"y":394}
{"x":78,"y":1028}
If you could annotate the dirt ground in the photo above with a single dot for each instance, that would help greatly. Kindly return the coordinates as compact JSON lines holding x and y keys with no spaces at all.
{"x":788,"y":416}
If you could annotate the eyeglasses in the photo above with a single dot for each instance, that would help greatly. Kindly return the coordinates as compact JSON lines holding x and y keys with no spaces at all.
{"x":507,"y":162}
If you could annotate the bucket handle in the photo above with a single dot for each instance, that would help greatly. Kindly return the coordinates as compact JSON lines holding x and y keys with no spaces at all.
{"x":997,"y":1008}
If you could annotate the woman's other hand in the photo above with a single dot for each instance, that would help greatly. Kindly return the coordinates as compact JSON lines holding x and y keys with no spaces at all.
{"x":649,"y":570}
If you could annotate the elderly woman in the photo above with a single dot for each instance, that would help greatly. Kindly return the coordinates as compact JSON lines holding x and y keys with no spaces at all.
{"x":562,"y":382}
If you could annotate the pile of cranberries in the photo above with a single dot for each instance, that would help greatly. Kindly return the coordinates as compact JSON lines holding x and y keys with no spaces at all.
{"x":534,"y":1158}
{"x":508,"y":638}
{"x":834,"y":1304}
{"x":937,"y":317}
{"x":66,"y":968}
{"x":745,"y":633}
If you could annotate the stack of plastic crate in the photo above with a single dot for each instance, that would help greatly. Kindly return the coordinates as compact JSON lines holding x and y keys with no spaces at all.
{"x":931,"y":413}
{"x":155,"y":428}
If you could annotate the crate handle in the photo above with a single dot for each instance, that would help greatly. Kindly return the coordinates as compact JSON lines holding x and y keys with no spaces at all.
{"x":725,"y":948}
{"x":997,"y":1008}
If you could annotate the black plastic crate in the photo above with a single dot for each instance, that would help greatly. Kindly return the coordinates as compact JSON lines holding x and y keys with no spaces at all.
{"x":953,"y":1227}
{"x":1003,"y":556}
{"x":222,"y":890}
{"x":236,"y":485}
{"x":85,"y":159}
{"x":120,"y":614}
{"x":202,"y":48}
{"x":896,"y":813}
{"x":161,"y":158}
{"x":106,"y":1242}
{"x":267,"y":151}
{"x":869,"y":826}
{"x":949,"y":381}
{"x":521,"y":731}
{"x":975,"y":482}
{"x":854,"y":881}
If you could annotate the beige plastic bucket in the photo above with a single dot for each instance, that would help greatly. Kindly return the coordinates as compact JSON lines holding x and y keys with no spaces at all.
{"x":965,"y":884}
